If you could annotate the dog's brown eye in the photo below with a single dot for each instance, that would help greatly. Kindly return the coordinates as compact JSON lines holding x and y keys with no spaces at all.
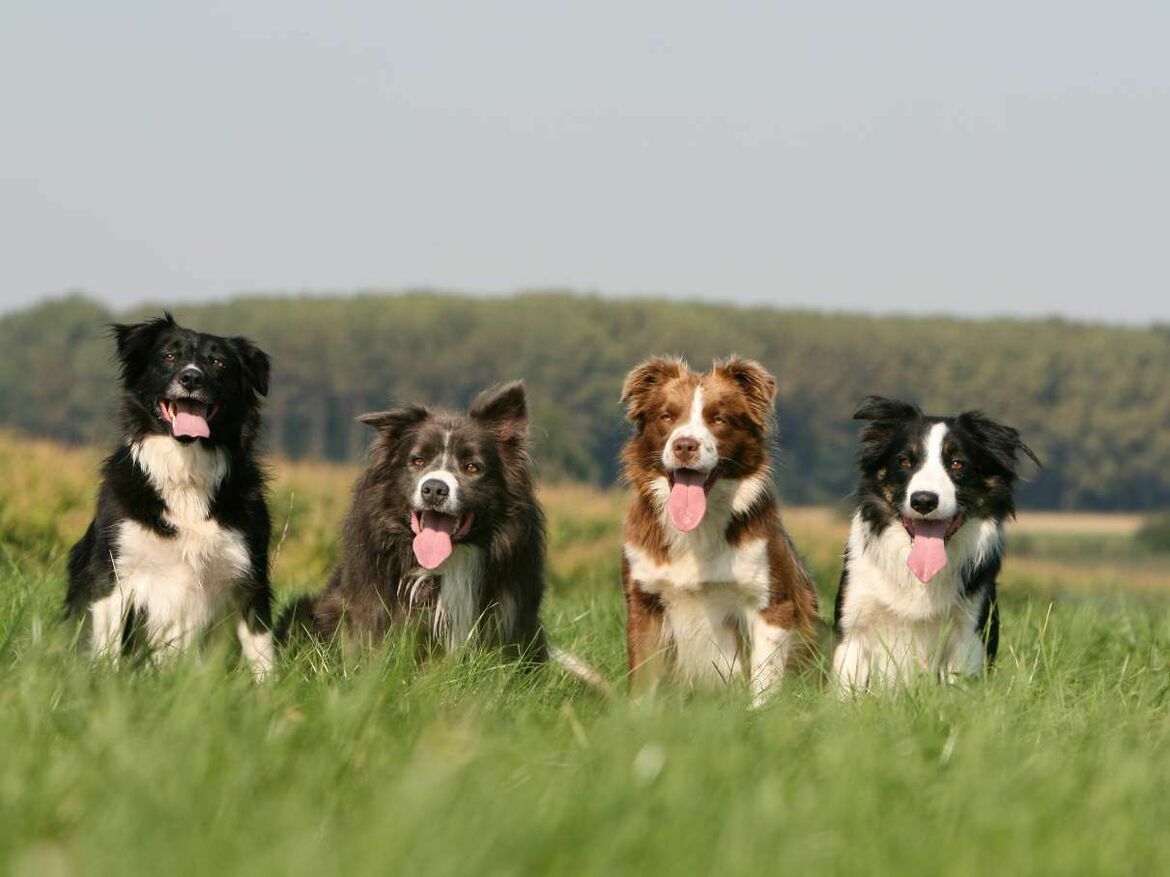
{"x":472,"y":468}
{"x":719,"y":418}
{"x":904,"y":463}
{"x":958,"y":466}
{"x":417,"y":462}
{"x":219,"y":363}
{"x":666,"y":417}
{"x":169,"y":357}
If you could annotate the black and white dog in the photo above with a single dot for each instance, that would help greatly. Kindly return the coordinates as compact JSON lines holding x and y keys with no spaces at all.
{"x":180,"y":535}
{"x":917,"y":593}
{"x":444,"y":532}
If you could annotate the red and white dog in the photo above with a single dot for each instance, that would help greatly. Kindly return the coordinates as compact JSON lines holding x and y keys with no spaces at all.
{"x":714,"y":589}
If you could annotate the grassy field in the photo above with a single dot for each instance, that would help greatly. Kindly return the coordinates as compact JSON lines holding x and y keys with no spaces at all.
{"x":1058,"y":762}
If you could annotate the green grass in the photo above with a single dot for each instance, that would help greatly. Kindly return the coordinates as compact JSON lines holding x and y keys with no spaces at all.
{"x":1058,"y":762}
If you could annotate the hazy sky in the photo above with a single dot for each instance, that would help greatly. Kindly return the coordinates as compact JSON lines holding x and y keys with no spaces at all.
{"x":968,"y":158}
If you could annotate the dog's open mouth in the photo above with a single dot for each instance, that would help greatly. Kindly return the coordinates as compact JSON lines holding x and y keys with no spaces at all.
{"x":189,"y":418}
{"x":928,"y":545}
{"x":434,"y":535}
{"x":688,"y":496}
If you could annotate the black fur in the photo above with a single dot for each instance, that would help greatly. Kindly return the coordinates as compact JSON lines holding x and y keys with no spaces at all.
{"x":487,"y":451}
{"x":839,"y":602}
{"x":235,"y":375}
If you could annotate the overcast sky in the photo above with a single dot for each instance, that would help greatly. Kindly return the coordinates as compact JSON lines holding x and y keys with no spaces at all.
{"x":922,"y":157}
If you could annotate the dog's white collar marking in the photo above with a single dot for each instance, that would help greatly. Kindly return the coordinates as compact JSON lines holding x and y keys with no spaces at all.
{"x":185,"y":475}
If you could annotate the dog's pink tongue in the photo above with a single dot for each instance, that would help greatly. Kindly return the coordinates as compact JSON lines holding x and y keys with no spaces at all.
{"x":928,"y":549}
{"x":432,"y":543}
{"x":190,"y":419}
{"x":688,"y":500}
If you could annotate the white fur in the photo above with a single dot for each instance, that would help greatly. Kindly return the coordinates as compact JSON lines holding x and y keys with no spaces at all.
{"x":185,"y":474}
{"x":771,"y":648}
{"x":107,"y":616}
{"x":933,"y":476}
{"x":703,"y":630}
{"x":257,"y":648}
{"x":182,"y":583}
{"x":695,"y":428}
{"x":892,"y":625}
{"x":713,"y":593}
{"x":450,"y":505}
{"x":457,"y":616}
{"x":579,"y":669}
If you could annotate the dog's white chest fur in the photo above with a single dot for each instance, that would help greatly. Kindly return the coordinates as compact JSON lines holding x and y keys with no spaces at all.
{"x":699,"y":563}
{"x":460,"y":595}
{"x":703,"y":558}
{"x":894,"y":626}
{"x":180,"y":583}
{"x":711,"y":591}
{"x":457,"y":613}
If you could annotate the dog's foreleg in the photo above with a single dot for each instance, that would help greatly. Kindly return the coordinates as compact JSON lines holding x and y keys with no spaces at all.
{"x":851,"y":665}
{"x":771,"y":647}
{"x":254,"y":629}
{"x":257,"y":649}
{"x":108,"y":617}
{"x":965,"y":657}
{"x":644,"y":640}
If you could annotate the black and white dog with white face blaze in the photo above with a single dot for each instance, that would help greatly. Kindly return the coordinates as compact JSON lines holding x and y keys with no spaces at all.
{"x":179,"y":539}
{"x":917,"y":593}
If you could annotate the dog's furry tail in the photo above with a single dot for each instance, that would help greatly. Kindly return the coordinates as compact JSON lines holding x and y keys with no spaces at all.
{"x":582,"y":671}
{"x":298,"y":619}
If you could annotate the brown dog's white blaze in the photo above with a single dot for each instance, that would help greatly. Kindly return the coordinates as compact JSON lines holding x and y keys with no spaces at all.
{"x":690,"y":457}
{"x":709,"y":574}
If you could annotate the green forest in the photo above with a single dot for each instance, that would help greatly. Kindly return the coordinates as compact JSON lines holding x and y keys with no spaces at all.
{"x":1091,"y":400}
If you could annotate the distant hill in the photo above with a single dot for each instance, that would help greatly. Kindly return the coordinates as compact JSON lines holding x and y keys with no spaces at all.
{"x":1093,"y":401}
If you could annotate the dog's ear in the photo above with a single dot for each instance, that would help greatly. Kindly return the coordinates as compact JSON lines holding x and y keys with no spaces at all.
{"x":884,"y":415}
{"x":257,"y":366}
{"x":644,"y":379}
{"x":756,"y":382}
{"x":881,"y":409}
{"x":136,"y":340}
{"x":1002,"y":443}
{"x":502,"y":409}
{"x":391,"y":423}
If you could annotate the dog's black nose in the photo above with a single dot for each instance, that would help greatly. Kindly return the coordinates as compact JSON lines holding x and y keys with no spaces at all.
{"x":434,"y":491}
{"x":923,"y":501}
{"x":191,"y":379}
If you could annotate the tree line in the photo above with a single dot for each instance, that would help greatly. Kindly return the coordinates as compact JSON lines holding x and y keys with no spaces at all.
{"x":1091,"y":400}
